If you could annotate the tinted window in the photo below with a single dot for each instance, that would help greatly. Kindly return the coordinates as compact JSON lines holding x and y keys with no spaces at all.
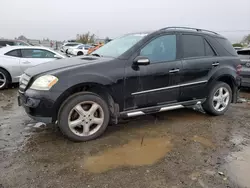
{"x":72,"y":44}
{"x":227,"y":46}
{"x":193,"y":46}
{"x":161,"y":49}
{"x":208,"y":49}
{"x":243,"y":52}
{"x":36,"y":53}
{"x":13,"y":53}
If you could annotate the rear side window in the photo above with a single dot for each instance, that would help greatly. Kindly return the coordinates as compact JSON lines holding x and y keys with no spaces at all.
{"x":193,"y":46}
{"x":227,"y":46}
{"x":36,"y":53}
{"x":13,"y":53}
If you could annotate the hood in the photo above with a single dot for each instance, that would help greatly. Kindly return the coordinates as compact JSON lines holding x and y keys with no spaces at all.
{"x":64,"y":64}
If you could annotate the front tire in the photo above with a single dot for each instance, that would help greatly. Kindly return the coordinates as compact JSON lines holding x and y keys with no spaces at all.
{"x":79,"y":53}
{"x":5,"y":79}
{"x":83,"y":117}
{"x":219,"y":99}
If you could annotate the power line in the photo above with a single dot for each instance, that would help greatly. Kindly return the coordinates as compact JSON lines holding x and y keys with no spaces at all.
{"x":232,"y":31}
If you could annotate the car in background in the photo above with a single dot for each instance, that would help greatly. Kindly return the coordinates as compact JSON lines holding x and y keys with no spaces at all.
{"x":237,"y":48}
{"x":14,"y":60}
{"x":81,"y":49}
{"x":244,"y":55}
{"x":7,"y":42}
{"x":94,"y":47}
{"x":67,"y":45}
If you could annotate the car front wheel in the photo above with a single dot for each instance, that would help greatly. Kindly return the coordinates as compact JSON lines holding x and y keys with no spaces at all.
{"x":84,"y":116}
{"x":219,"y":99}
{"x":4,"y":79}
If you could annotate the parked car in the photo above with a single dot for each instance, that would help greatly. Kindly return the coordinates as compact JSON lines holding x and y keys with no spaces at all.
{"x":133,"y":75}
{"x":14,"y":60}
{"x":244,"y":55}
{"x":7,"y":42}
{"x":81,"y":49}
{"x":66,"y":46}
{"x":237,"y":48}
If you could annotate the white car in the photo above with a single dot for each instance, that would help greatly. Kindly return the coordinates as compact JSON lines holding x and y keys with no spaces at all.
{"x":81,"y":49}
{"x":67,"y":45}
{"x":14,"y":60}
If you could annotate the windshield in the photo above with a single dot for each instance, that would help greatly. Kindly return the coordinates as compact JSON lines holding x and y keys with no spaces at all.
{"x":118,"y":46}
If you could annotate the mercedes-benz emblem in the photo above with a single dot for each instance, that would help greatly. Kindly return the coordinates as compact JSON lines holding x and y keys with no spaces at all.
{"x":248,"y":64}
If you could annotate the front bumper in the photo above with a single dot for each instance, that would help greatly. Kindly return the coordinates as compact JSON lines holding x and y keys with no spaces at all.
{"x":38,"y":105}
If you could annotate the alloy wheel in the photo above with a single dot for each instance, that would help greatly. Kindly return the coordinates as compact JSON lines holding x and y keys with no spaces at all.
{"x":86,"y":118}
{"x":221,"y":99}
{"x":2,"y":80}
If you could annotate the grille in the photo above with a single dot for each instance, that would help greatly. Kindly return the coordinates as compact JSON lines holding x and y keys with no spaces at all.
{"x":24,"y":81}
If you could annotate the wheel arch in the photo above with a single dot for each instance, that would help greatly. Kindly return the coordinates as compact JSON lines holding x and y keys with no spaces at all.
{"x":96,"y":88}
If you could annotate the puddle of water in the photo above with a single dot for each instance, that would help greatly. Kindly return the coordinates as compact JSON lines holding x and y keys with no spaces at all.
{"x":203,"y":141}
{"x":238,"y":167}
{"x":137,"y":152}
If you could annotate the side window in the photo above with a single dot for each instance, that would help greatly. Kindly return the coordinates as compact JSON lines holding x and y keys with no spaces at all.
{"x":36,"y":53}
{"x":208,"y":49}
{"x":193,"y":46}
{"x":160,"y":49}
{"x":243,"y":52}
{"x":13,"y":53}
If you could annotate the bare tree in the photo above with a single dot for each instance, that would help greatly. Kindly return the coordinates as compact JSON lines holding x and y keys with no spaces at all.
{"x":85,"y":38}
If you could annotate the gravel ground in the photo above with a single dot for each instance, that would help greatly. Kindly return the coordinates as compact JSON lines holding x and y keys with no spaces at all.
{"x":182,"y":148}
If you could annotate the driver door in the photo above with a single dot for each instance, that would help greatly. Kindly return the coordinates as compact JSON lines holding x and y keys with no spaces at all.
{"x":155,"y":83}
{"x":33,"y":57}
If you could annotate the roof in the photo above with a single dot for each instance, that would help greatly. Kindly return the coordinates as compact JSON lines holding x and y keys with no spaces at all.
{"x":244,"y":49}
{"x":9,"y":48}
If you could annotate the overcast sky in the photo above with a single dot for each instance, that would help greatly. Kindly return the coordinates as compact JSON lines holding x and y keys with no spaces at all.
{"x":63,"y":19}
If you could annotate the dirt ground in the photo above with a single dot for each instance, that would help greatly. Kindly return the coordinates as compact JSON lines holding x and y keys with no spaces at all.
{"x":177,"y":149}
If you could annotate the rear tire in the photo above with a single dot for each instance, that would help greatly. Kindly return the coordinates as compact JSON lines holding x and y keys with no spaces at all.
{"x":219,"y":99}
{"x":78,"y":122}
{"x":80,"y":53}
{"x":5,"y":79}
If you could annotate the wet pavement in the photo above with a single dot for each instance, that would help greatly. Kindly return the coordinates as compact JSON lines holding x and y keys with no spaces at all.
{"x":182,"y":148}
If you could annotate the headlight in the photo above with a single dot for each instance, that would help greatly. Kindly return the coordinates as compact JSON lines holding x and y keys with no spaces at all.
{"x":44,"y":82}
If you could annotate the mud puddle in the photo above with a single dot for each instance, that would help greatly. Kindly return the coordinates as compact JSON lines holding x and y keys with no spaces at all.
{"x":238,"y":164}
{"x":137,"y":152}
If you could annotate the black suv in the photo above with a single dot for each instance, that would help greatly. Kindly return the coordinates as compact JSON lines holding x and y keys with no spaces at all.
{"x":136,"y":74}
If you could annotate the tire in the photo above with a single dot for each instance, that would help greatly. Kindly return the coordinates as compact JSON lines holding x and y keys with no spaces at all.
{"x":80,"y":53}
{"x":69,"y":115}
{"x":5,"y":79}
{"x":215,"y":99}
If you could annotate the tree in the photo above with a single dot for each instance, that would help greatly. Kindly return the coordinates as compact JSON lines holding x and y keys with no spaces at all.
{"x":237,"y":45}
{"x":246,"y":39}
{"x":107,"y":39}
{"x":22,"y":38}
{"x":85,"y":38}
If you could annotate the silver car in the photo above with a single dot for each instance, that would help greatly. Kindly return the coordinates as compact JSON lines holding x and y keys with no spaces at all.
{"x":244,"y":55}
{"x":14,"y":60}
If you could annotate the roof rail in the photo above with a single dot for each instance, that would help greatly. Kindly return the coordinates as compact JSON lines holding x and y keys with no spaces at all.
{"x":189,"y":28}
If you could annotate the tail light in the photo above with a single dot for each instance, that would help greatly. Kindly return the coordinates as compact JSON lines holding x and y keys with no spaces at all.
{"x":238,"y":69}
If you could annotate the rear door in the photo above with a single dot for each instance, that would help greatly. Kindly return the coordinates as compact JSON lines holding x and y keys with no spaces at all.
{"x":199,"y":58}
{"x":33,"y":57}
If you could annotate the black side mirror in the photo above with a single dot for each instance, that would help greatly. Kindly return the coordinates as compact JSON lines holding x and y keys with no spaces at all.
{"x":140,"y":60}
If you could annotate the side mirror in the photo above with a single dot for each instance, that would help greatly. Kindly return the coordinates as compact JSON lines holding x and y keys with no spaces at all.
{"x":57,"y":57}
{"x":140,"y":60}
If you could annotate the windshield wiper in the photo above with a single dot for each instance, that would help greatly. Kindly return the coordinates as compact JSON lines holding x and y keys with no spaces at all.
{"x":97,"y":55}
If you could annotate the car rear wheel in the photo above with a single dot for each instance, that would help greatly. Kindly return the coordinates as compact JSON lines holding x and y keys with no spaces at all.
{"x":219,"y":99}
{"x":84,"y":116}
{"x":79,"y":53}
{"x":4,"y":79}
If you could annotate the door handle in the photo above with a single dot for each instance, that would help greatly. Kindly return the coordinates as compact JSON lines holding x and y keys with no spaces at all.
{"x":215,"y":64}
{"x":174,"y":70}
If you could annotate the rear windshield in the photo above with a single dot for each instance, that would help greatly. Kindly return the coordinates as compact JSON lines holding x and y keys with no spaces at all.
{"x":227,"y":46}
{"x":244,"y":52}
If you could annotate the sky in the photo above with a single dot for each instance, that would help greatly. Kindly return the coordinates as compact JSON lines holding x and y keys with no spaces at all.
{"x":63,"y":19}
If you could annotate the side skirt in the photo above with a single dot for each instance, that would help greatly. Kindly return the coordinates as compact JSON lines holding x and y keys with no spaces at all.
{"x":160,"y":108}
